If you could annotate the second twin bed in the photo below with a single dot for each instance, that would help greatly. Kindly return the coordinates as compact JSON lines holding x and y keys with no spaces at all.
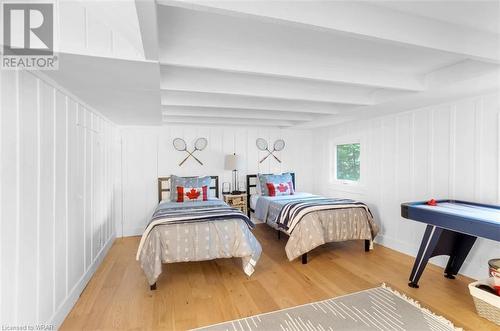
{"x":309,"y":220}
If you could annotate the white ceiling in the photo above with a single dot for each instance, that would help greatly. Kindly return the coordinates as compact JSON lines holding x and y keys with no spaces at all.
{"x":279,"y":63}
{"x":125,"y":91}
{"x":478,"y":14}
{"x":204,"y":37}
{"x":102,"y":28}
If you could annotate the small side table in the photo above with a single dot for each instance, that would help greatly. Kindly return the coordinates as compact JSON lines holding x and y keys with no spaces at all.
{"x":237,"y":201}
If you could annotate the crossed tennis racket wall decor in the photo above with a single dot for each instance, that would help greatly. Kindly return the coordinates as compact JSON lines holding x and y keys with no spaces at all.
{"x":199,"y":145}
{"x":278,"y":146}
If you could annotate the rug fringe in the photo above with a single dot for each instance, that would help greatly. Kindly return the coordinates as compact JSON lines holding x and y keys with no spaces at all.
{"x":417,"y":304}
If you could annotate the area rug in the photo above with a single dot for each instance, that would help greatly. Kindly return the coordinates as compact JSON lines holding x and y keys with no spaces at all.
{"x":378,"y":308}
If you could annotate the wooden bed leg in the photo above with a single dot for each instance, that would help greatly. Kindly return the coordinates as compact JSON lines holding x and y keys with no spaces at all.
{"x":304,"y":258}
{"x":279,"y":234}
{"x":152,"y":287}
{"x":367,"y":245}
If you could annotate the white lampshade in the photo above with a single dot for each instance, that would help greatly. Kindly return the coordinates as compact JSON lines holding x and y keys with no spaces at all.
{"x":233,"y":162}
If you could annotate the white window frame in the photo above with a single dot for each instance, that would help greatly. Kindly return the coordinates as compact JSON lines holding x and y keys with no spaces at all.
{"x":333,"y":161}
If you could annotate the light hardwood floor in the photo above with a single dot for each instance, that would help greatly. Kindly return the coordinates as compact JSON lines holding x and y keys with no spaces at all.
{"x":196,"y":294}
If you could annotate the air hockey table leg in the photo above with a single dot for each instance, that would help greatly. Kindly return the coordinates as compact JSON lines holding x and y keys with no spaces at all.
{"x":461,"y":249}
{"x":429,"y":242}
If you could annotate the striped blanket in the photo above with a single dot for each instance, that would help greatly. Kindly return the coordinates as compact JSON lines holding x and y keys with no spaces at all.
{"x":293,"y":211}
{"x":192,"y":213}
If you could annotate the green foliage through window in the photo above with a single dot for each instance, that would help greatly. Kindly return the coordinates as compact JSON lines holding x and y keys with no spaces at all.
{"x":348,"y":162}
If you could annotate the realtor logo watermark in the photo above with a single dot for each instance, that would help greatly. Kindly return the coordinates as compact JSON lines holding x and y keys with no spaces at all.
{"x":28,"y":36}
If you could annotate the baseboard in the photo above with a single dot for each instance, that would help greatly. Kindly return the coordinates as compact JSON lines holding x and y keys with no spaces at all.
{"x":256,"y":220}
{"x":398,"y":245}
{"x":63,"y":310}
{"x":129,"y":232}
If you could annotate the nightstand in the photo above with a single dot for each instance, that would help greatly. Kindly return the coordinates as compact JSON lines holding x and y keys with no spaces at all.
{"x":237,"y":201}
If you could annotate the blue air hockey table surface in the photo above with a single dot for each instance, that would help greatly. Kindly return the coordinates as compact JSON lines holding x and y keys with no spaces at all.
{"x":452,"y":228}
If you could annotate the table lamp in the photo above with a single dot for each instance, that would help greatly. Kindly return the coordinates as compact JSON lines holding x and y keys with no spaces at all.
{"x":234,"y":162}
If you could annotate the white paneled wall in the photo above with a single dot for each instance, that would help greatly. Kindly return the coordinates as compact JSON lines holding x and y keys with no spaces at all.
{"x":443,"y":151}
{"x":147,"y":153}
{"x":56,"y":198}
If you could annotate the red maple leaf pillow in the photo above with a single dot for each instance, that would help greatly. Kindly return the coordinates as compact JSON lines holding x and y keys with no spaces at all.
{"x":192,"y":193}
{"x":276,"y":189}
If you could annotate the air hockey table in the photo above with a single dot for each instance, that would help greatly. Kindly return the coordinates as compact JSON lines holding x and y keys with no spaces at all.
{"x":452,"y":228}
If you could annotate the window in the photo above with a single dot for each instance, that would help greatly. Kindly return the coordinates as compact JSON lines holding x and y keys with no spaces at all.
{"x":348,"y":162}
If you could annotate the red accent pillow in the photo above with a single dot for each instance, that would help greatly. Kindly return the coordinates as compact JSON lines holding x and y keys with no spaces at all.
{"x":276,"y":189}
{"x":192,"y":193}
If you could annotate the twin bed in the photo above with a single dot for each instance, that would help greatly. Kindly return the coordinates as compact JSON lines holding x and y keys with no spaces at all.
{"x":195,"y":231}
{"x":310,"y":220}
{"x":203,"y":227}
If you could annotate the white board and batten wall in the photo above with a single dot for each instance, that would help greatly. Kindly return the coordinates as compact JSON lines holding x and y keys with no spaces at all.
{"x":148,"y":153}
{"x":443,"y":151}
{"x":56,"y":199}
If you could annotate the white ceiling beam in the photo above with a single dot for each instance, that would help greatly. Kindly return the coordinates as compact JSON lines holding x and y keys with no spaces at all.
{"x":340,"y":74}
{"x":217,"y":100}
{"x":213,"y":81}
{"x":362,"y":20}
{"x":106,"y":85}
{"x":464,"y":70}
{"x":352,"y":102}
{"x":225,"y":121}
{"x":234,"y":113}
{"x":446,"y":92}
{"x":146,"y":13}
